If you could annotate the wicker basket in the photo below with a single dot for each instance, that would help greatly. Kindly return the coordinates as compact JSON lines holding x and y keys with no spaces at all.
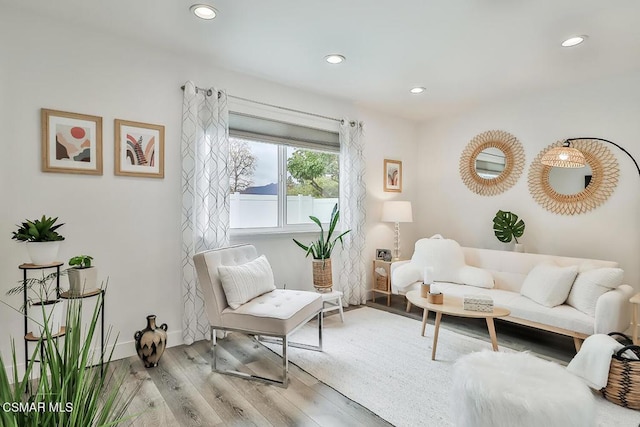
{"x":381,"y":282}
{"x":322,"y":276}
{"x":623,"y":385}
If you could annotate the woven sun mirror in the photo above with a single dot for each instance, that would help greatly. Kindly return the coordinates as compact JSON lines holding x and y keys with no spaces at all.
{"x":598,"y":184}
{"x":492,"y":162}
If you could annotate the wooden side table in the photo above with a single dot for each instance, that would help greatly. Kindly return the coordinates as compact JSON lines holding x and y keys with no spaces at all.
{"x":382,"y":284}
{"x":635,"y":304}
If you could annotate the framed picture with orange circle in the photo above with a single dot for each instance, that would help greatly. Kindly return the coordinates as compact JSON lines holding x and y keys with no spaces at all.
{"x":71,"y":142}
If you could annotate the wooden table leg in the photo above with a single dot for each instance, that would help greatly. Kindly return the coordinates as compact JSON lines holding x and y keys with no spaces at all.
{"x":492,"y":333}
{"x":389,"y":299}
{"x":408,"y":306}
{"x":435,"y":335}
{"x":425,"y":313}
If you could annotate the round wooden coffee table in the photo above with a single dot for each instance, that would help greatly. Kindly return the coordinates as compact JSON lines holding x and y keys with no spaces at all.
{"x":452,"y":306}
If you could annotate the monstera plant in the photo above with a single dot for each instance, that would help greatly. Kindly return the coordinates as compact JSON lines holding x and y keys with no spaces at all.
{"x":507,"y":226}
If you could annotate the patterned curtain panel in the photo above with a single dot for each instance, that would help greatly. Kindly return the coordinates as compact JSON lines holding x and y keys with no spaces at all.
{"x":205,"y":193}
{"x":352,"y":212}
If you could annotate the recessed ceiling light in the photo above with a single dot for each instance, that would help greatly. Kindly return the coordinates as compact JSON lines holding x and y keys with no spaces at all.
{"x":573,"y":41}
{"x":334,"y":58}
{"x":417,"y":89}
{"x":203,"y":11}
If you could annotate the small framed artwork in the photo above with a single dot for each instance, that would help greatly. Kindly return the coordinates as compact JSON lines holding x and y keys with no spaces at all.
{"x":392,"y":175}
{"x":71,"y":142}
{"x":383,"y":254}
{"x":139,"y":149}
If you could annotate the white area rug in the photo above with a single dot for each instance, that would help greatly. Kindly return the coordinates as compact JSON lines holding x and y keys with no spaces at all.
{"x":379,"y":360}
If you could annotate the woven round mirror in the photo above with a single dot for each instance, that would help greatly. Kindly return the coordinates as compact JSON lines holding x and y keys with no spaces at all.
{"x":492,"y":162}
{"x":574,"y":191}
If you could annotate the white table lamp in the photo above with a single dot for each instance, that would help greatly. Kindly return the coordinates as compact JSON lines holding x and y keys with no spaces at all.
{"x":397,"y":212}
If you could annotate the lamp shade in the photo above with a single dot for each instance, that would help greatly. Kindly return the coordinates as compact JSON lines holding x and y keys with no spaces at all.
{"x":564,"y":157}
{"x":397,"y":211}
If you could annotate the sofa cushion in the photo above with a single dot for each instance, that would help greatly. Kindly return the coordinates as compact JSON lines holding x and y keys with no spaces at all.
{"x":445,"y":259}
{"x":444,"y":256}
{"x":244,"y":282}
{"x":548,"y":284}
{"x":561,"y":316}
{"x":590,"y":285}
{"x":475,"y":276}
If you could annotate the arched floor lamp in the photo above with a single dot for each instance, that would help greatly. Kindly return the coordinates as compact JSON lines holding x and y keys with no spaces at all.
{"x":567,"y":156}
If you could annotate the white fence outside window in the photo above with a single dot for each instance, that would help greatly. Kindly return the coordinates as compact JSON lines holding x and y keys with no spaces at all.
{"x":260,"y":210}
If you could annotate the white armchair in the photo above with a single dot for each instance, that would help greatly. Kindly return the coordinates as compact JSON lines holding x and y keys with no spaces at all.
{"x":276,"y":313}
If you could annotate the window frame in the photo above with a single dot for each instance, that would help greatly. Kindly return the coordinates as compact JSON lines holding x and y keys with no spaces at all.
{"x":282,"y":227}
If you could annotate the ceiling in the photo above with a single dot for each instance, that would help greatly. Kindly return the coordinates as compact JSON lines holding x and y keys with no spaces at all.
{"x":464,"y":52}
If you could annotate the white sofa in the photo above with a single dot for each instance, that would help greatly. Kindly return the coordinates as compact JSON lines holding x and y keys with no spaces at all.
{"x":509,"y":270}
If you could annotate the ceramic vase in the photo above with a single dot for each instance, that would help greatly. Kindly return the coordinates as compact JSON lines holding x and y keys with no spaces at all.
{"x":82,"y":280}
{"x":518,"y":247}
{"x":151,"y":342}
{"x":43,"y":253}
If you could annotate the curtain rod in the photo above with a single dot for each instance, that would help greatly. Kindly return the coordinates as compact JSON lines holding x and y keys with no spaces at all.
{"x":209,"y":92}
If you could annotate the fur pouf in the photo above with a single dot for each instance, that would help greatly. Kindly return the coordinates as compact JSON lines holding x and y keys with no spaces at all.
{"x":517,"y":389}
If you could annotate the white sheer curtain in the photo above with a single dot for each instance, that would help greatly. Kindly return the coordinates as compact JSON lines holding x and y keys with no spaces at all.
{"x":205,"y":193}
{"x":352,"y":212}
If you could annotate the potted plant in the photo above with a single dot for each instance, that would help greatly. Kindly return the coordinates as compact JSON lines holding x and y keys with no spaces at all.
{"x":321,"y":250}
{"x":43,"y":304}
{"x":507,"y":226}
{"x":43,"y":240}
{"x":82,"y":275}
{"x":81,"y":393}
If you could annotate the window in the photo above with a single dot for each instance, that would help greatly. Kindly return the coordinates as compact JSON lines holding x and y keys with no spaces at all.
{"x":278,"y":181}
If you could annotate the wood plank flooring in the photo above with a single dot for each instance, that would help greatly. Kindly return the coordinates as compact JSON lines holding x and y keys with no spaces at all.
{"x":182,"y":390}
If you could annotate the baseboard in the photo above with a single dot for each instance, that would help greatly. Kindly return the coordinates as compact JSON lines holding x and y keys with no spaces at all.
{"x":122,"y":350}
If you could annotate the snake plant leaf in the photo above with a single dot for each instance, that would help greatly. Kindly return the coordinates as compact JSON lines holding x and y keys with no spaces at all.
{"x":507,"y":226}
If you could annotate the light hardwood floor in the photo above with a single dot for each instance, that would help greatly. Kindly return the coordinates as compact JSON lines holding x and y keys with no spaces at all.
{"x":182,"y":391}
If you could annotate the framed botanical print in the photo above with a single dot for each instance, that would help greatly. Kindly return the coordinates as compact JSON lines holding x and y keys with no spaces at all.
{"x":139,"y":149}
{"x":71,"y":142}
{"x":393,"y":175}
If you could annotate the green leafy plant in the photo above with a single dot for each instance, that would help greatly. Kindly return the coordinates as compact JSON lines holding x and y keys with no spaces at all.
{"x":38,"y":289}
{"x":507,"y":226}
{"x":71,"y":390}
{"x":322,"y":248}
{"x":38,"y":230}
{"x":81,"y":261}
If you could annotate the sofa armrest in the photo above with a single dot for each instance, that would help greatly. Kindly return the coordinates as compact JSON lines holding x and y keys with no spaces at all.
{"x":613,"y":310}
{"x":397,"y":264}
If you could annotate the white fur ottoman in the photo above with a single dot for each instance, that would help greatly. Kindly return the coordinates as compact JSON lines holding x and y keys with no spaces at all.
{"x":517,"y":389}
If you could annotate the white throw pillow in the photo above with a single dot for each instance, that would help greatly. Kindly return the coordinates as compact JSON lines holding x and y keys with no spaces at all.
{"x":445,"y":256}
{"x":590,"y":285}
{"x":548,"y":284}
{"x":475,"y":276}
{"x":244,"y":282}
{"x":405,"y":275}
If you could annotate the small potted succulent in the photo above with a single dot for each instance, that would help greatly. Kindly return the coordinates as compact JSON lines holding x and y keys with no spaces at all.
{"x":42,"y":237}
{"x":507,"y":226}
{"x":82,"y":274}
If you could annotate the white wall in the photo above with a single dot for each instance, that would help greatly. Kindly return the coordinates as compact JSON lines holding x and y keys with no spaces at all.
{"x":132,"y":225}
{"x":608,"y":109}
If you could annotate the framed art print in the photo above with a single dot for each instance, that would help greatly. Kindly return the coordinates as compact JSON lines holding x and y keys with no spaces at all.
{"x":139,"y":149}
{"x":392,"y":175}
{"x":71,"y":142}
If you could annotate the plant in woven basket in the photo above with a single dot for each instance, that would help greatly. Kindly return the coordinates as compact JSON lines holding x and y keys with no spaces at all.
{"x":507,"y":226}
{"x":321,"y":250}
